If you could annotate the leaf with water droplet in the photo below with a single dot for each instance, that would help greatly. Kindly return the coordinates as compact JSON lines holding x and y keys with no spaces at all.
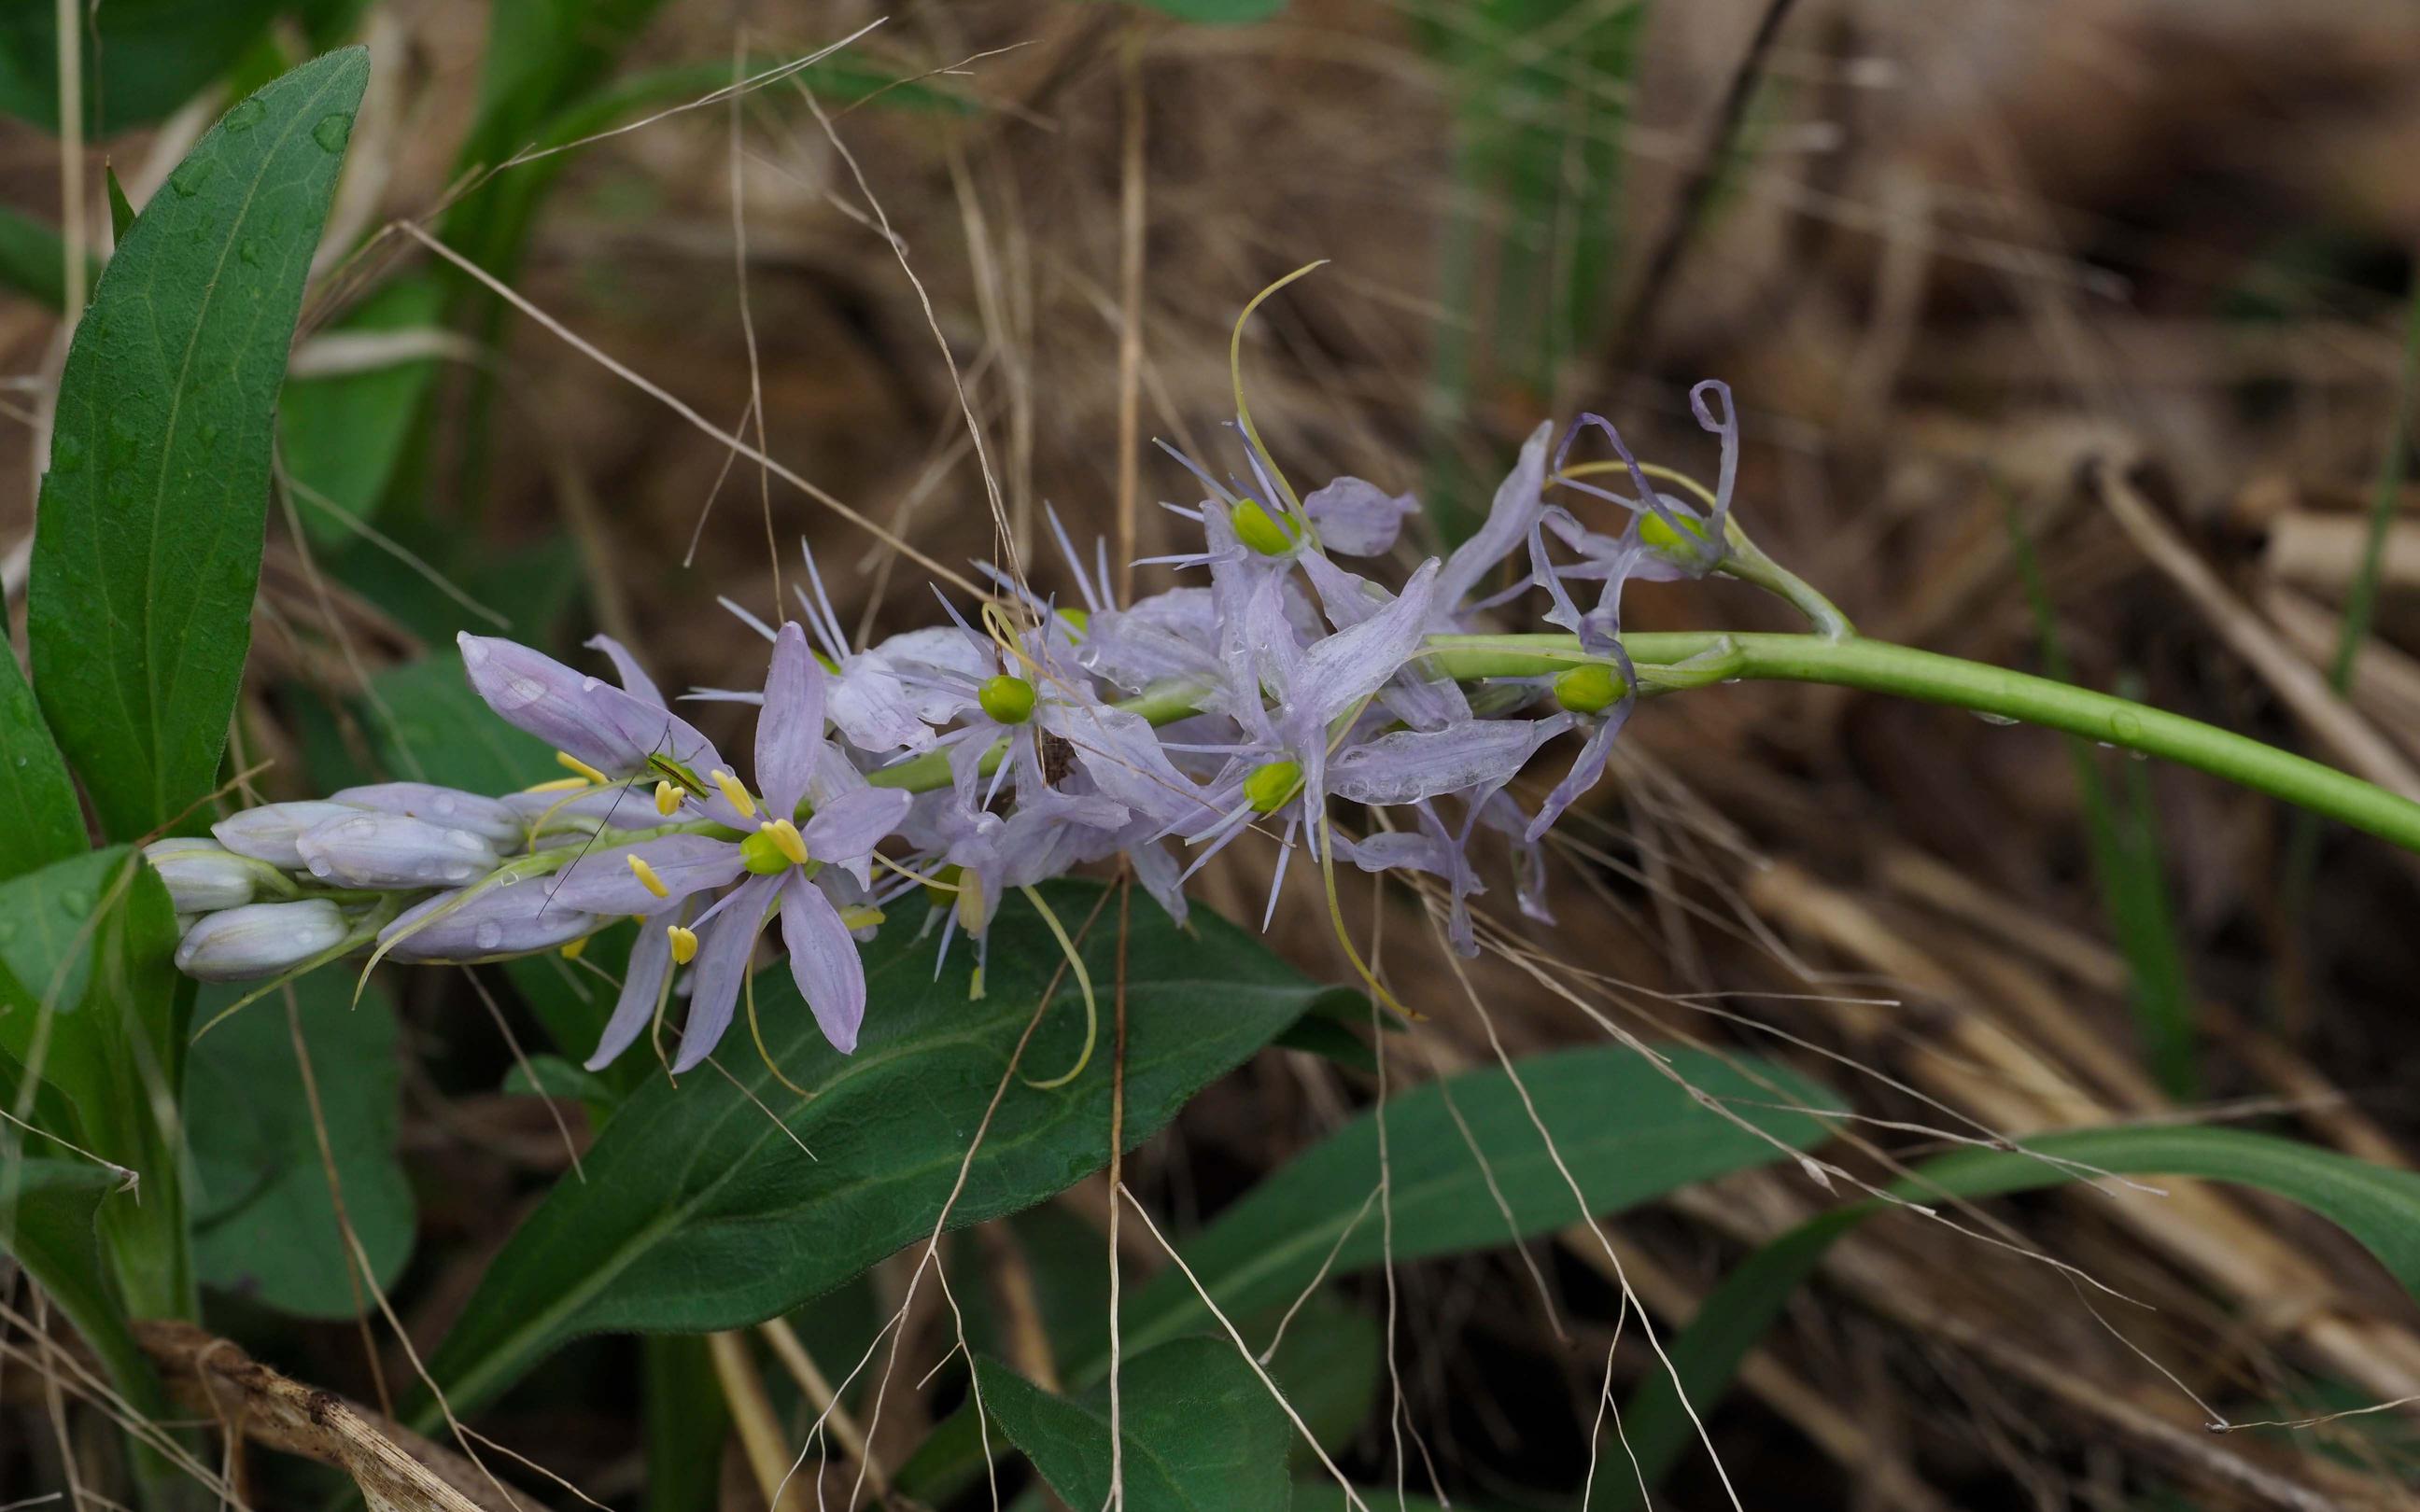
{"x":333,"y":131}
{"x":140,"y":604}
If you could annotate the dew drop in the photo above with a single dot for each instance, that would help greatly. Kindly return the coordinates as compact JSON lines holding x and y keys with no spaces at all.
{"x":489,"y":935}
{"x":67,"y":453}
{"x":2126,"y":727}
{"x":246,"y":115}
{"x":319,"y":866}
{"x":589,"y":685}
{"x":75,"y":900}
{"x":1989,"y":718}
{"x":332,"y":131}
{"x":523,"y":690}
{"x":461,"y":872}
{"x":462,"y":840}
{"x":188,"y":180}
{"x":249,"y":250}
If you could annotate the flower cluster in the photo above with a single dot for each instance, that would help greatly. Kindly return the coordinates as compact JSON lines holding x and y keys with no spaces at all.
{"x":976,"y":761}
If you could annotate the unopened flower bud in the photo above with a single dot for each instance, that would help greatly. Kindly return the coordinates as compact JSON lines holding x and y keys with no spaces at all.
{"x":269,"y":832}
{"x":260,"y":939}
{"x":1257,"y":529}
{"x":1681,"y":538}
{"x":1007,"y":699}
{"x":507,"y":918}
{"x":1591,"y":688}
{"x":1271,"y":784}
{"x":204,"y":876}
{"x":393,"y":850}
{"x":490,"y":820}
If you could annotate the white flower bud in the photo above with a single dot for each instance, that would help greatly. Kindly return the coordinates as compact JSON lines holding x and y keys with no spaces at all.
{"x":202,"y":875}
{"x":259,"y":939}
{"x":360,"y":849}
{"x":269,"y":832}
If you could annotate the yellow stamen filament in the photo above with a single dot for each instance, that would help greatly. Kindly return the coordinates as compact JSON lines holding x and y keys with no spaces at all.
{"x":572,"y":951}
{"x":1083,"y":985}
{"x":647,"y":878}
{"x":561,"y":784}
{"x":667,"y":799}
{"x":684,"y":943}
{"x":595,"y":778}
{"x":787,"y":839}
{"x":732,"y":790}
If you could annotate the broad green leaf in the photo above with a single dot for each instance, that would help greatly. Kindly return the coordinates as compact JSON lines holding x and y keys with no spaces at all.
{"x":142,"y":59}
{"x":40,"y":821}
{"x":48,"y":1209}
{"x":91,"y":1005}
{"x":264,"y":1224}
{"x":700,"y":1213}
{"x":1202,"y":1433}
{"x":2377,"y":1206}
{"x":1627,"y":1132}
{"x":33,"y":259}
{"x":147,"y":544}
{"x":341,"y":436}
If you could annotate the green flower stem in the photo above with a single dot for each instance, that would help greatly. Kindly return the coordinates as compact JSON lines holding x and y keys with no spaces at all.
{"x":1880,"y":666}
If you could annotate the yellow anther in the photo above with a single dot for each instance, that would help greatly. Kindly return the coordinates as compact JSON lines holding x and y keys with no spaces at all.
{"x":591,"y":774}
{"x":572,"y":951}
{"x":684,"y":943}
{"x":786,"y":839}
{"x":667,"y":799}
{"x":647,"y":878}
{"x":561,"y":784}
{"x":733,"y":791}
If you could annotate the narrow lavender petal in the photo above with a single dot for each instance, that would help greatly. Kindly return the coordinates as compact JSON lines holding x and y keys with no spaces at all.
{"x":259,"y":940}
{"x":844,"y":832}
{"x":1352,"y":664}
{"x":873,"y":710}
{"x":1357,"y":519}
{"x":1728,"y":428}
{"x":609,"y":729}
{"x":269,"y":832}
{"x":1121,"y":752}
{"x":622,"y":805}
{"x":485,"y":817}
{"x":509,"y":918}
{"x":368,"y":849}
{"x":635,"y":680}
{"x":601,"y":882}
{"x":823,"y":962}
{"x":1348,"y":598}
{"x":721,"y":966}
{"x":1514,"y":509}
{"x":1406,"y":766}
{"x":643,"y":988}
{"x":790,"y":730}
{"x":1586,"y":770}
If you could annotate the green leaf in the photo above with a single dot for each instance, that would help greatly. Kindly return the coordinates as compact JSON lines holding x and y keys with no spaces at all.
{"x":147,"y":544}
{"x":687,"y":1420}
{"x":264,"y":1225}
{"x":1627,"y":1132}
{"x":2377,"y":1206}
{"x":341,"y":436}
{"x":439,"y":731}
{"x":142,"y":59}
{"x":40,"y":821}
{"x":33,"y":260}
{"x":121,"y":210}
{"x":91,"y":1004}
{"x":1202,"y":1433}
{"x":1327,"y":1496}
{"x":48,"y":1209}
{"x":554,"y":1076}
{"x":700,"y":1213}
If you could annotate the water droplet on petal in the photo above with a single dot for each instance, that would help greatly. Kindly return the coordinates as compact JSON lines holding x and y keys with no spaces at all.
{"x":1989,"y":718}
{"x":489,"y":935}
{"x":319,"y":866}
{"x":522,"y":690}
{"x":589,"y":685}
{"x":461,"y":872}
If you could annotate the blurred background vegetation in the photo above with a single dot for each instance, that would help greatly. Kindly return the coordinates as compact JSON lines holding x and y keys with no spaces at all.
{"x":2065,"y":333}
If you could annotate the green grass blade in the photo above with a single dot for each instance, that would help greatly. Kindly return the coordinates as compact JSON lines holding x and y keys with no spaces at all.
{"x":147,"y":546}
